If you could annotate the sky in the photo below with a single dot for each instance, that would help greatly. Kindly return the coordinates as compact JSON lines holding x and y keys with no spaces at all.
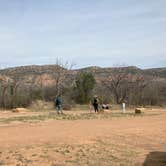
{"x":101,"y":33}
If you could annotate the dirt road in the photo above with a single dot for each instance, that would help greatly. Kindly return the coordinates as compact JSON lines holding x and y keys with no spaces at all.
{"x":141,"y":134}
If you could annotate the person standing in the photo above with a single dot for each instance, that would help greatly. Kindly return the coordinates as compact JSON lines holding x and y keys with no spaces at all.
{"x":58,"y":104}
{"x":96,"y":104}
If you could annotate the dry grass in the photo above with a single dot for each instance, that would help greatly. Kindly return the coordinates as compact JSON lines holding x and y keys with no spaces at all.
{"x":102,"y":152}
{"x":72,"y":116}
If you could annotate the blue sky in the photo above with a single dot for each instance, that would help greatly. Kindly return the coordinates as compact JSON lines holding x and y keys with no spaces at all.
{"x":86,"y":32}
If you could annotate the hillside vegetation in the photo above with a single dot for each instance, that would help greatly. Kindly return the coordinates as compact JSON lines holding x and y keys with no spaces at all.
{"x":19,"y":86}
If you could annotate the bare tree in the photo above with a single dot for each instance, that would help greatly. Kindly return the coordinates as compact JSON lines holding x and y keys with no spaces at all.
{"x":13,"y":91}
{"x":5,"y":83}
{"x":62,"y":71}
{"x":124,"y":85}
{"x":118,"y":84}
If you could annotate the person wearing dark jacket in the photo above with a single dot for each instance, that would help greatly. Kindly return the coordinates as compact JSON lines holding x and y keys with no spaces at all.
{"x":58,"y":103}
{"x":96,"y":104}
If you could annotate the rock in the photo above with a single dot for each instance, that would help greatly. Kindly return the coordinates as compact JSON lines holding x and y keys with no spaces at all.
{"x":17,"y":110}
{"x":139,"y":110}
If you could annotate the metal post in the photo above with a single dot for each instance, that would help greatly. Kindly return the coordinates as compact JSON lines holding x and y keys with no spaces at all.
{"x":124,"y":107}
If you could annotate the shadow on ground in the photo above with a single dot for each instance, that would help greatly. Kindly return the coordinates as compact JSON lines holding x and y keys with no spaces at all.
{"x":155,"y":159}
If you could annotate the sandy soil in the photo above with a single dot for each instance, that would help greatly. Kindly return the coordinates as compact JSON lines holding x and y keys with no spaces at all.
{"x":117,"y":141}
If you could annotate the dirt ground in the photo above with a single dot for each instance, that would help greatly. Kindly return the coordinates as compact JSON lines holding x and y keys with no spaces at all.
{"x":120,"y":140}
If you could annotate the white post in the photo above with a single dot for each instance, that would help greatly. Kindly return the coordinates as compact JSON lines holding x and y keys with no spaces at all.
{"x":124,"y":107}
